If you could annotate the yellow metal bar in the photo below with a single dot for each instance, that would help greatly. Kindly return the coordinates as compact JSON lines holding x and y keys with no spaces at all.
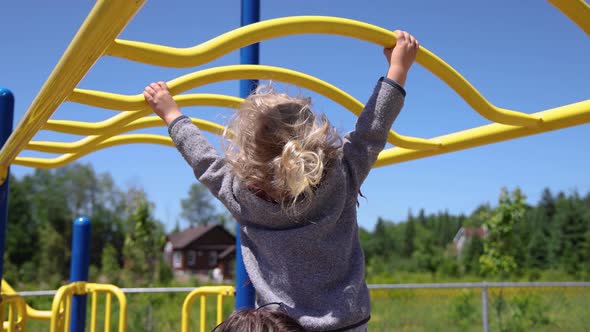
{"x":238,"y":72}
{"x":103,"y":127}
{"x":68,"y":313}
{"x":87,"y":144}
{"x":107,"y":313}
{"x":93,"y":312}
{"x":104,"y":23}
{"x":238,"y":38}
{"x":202,"y":292}
{"x":219,"y":309}
{"x":203,"y":316}
{"x":556,"y":118}
{"x":10,"y":318}
{"x":576,"y":10}
{"x":112,"y":290}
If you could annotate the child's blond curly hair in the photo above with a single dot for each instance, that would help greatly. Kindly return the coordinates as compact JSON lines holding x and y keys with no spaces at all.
{"x":278,"y":147}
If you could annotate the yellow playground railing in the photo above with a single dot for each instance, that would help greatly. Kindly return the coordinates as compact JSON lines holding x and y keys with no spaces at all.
{"x":19,"y":313}
{"x":97,"y":37}
{"x":202,"y":292}
{"x":15,"y":313}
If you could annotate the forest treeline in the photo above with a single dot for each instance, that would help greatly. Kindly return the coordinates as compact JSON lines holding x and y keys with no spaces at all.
{"x":127,"y":240}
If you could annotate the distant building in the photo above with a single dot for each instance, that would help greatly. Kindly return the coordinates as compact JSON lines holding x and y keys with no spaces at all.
{"x":464,"y":235}
{"x":201,"y":251}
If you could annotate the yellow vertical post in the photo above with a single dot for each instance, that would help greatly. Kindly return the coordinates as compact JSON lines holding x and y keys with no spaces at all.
{"x":219,"y":308}
{"x":107,"y":313}
{"x":10,"y":318}
{"x":93,"y":312}
{"x":68,"y":311}
{"x":203,"y":313}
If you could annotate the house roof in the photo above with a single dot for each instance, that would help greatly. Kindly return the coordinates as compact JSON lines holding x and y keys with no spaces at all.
{"x":471,"y":231}
{"x":229,"y":251}
{"x":183,"y":238}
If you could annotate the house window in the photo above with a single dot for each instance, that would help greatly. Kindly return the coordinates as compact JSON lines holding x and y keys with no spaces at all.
{"x":191,"y":258}
{"x":212,"y":258}
{"x":177,"y":259}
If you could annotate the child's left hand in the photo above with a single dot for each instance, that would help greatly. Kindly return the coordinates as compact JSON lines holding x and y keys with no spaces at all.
{"x":160,"y":100}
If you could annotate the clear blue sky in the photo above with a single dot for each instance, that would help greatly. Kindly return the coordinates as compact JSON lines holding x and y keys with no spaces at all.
{"x":522,"y":55}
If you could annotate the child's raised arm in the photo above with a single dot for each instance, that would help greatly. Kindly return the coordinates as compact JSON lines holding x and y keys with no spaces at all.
{"x":363,"y":145}
{"x":208,"y":166}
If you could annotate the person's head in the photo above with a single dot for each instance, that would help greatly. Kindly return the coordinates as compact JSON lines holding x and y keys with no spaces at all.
{"x":278,"y":145}
{"x":259,"y":321}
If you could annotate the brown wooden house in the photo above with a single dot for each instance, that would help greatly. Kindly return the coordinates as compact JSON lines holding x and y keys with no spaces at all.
{"x":200,"y":250}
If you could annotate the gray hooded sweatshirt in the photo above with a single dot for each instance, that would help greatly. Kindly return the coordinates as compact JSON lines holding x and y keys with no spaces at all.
{"x":311,"y":263}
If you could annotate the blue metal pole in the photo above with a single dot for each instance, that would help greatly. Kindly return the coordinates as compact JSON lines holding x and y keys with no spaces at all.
{"x":79,"y":270}
{"x":6,"y":118}
{"x":245,"y":295}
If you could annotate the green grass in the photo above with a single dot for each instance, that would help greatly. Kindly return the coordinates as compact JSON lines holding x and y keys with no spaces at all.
{"x":510,"y":309}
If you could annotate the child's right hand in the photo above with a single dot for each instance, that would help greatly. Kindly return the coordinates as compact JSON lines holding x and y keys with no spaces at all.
{"x":401,"y":57}
{"x":160,"y":100}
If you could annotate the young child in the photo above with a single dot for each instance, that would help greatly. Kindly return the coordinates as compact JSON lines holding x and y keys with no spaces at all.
{"x":292,"y":184}
{"x":259,"y":320}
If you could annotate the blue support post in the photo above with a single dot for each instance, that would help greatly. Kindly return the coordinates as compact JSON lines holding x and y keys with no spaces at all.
{"x":245,"y":295}
{"x":6,"y":118}
{"x":79,"y":270}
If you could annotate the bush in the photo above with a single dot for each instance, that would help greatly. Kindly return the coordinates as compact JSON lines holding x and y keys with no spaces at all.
{"x":463,"y":311}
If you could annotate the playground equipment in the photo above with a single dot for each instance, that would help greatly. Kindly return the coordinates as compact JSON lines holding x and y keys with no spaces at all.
{"x":97,"y":38}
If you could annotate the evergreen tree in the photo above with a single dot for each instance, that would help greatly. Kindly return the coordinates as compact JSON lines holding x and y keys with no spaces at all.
{"x":547,"y":203}
{"x":198,"y":208}
{"x":143,"y":246}
{"x":409,"y":236}
{"x":570,"y":216}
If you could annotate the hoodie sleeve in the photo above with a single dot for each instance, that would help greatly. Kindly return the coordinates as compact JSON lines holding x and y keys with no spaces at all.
{"x":208,"y":166}
{"x":362,"y":146}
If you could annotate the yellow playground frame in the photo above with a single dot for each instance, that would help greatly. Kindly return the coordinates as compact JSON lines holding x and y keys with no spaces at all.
{"x":97,"y":37}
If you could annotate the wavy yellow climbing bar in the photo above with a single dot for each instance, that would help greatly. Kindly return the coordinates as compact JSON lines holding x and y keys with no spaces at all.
{"x":238,"y":38}
{"x":97,"y":36}
{"x":237,"y":72}
{"x":103,"y":24}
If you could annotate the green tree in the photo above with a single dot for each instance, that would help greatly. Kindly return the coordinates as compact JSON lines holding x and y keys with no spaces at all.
{"x":198,"y":208}
{"x":572,"y":220}
{"x":428,"y":256}
{"x":22,"y":238}
{"x":473,"y":252}
{"x":143,"y":246}
{"x":110,"y":263}
{"x":498,"y":256}
{"x":409,"y":236}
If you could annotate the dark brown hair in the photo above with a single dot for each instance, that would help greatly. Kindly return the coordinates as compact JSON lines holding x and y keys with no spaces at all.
{"x":259,"y":321}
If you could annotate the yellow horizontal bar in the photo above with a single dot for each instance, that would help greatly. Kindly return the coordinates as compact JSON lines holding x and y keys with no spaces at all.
{"x":214,"y":48}
{"x":556,"y":118}
{"x":104,"y":23}
{"x":576,"y":10}
{"x":238,"y":72}
{"x":112,"y":141}
{"x":119,"y":120}
{"x":86,"y":144}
